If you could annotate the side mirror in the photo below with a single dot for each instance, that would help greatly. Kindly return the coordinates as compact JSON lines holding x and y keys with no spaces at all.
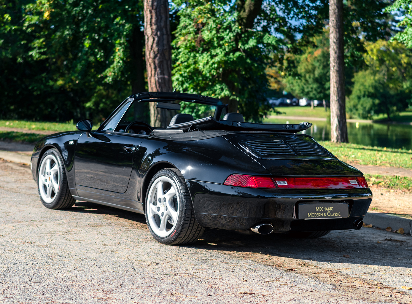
{"x":84,"y":125}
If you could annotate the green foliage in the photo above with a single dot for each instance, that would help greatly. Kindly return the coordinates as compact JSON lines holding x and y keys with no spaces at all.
{"x":311,"y":79}
{"x":405,"y":36}
{"x":74,"y":60}
{"x":214,"y":56}
{"x":304,"y":68}
{"x":385,"y":86}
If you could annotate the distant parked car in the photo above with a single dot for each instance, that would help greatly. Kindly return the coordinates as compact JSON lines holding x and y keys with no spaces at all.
{"x":278,"y":102}
{"x":317,"y":103}
{"x":304,"y":102}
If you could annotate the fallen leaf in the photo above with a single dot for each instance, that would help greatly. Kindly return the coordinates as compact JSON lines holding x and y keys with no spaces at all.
{"x":346,"y":256}
{"x":406,"y":287}
{"x":378,"y":242}
{"x":367,"y":225}
{"x":388,"y":229}
{"x":400,"y":231}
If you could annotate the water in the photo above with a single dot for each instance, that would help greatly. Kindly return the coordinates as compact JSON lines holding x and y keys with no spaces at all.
{"x":367,"y":134}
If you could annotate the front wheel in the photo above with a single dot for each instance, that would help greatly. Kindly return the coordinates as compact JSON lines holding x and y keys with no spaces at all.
{"x":52,"y":182}
{"x":169,"y":212}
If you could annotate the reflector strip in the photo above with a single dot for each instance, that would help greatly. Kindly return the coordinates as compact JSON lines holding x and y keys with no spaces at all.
{"x":249,"y":181}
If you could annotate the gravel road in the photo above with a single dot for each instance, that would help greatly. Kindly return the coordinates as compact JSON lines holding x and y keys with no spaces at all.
{"x":97,"y":254}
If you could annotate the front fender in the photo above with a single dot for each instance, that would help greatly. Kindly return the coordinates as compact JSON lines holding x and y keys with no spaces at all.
{"x":65,"y":143}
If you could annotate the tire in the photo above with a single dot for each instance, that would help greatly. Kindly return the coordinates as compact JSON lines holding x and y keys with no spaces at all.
{"x":169,"y":211}
{"x":308,"y":234}
{"x":52,"y":182}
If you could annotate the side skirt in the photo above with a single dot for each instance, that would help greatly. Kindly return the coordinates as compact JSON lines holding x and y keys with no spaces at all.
{"x":79,"y":198}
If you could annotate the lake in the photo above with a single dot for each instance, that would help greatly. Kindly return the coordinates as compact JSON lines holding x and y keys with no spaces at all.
{"x":368,"y":134}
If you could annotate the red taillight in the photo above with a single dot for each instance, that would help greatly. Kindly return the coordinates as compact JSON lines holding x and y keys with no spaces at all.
{"x":362,"y":182}
{"x":250,"y":181}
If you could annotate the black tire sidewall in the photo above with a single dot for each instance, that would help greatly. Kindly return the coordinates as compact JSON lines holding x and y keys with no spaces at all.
{"x":182,"y":193}
{"x":57,"y":197}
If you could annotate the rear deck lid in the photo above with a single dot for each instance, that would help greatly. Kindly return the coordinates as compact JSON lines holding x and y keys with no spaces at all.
{"x":291,"y":154}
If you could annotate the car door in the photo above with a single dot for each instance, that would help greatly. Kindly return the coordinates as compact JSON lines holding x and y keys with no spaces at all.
{"x":104,"y":161}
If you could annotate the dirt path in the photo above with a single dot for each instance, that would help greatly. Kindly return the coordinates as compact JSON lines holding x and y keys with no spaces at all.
{"x":391,"y":201}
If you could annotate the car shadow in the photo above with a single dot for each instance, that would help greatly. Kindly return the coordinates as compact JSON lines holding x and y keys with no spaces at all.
{"x":87,"y":207}
{"x":368,"y":246}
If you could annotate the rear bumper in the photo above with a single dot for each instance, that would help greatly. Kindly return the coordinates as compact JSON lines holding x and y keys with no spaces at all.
{"x":235,"y":208}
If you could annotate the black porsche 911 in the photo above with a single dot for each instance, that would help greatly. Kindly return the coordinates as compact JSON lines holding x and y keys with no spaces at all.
{"x":212,"y":172}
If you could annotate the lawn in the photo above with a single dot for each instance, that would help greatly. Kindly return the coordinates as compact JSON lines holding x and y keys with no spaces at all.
{"x":364,"y":155}
{"x":38,"y":125}
{"x":390,"y":182}
{"x":20,"y":136}
{"x":303,"y":112}
{"x":405,"y":116}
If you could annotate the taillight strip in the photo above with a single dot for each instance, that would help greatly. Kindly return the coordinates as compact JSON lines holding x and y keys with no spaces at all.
{"x":249,"y":181}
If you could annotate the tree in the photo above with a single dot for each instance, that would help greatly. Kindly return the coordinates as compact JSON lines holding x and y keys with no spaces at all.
{"x":405,"y":36}
{"x":75,"y":56}
{"x":222,"y":50}
{"x":339,"y":132}
{"x":311,"y":80}
{"x":384,"y":86}
{"x":158,"y":55}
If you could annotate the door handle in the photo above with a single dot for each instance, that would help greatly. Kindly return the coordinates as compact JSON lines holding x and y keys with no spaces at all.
{"x":129,"y":149}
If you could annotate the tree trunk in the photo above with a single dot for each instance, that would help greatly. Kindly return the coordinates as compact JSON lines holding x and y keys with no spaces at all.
{"x":158,"y":56}
{"x":337,"y":77}
{"x":141,"y":109}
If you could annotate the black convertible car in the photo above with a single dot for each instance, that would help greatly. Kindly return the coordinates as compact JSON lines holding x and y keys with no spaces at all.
{"x":202,"y":172}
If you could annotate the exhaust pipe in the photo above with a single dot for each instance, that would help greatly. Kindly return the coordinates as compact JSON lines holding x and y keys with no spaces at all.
{"x":358,"y":224}
{"x":263,"y":229}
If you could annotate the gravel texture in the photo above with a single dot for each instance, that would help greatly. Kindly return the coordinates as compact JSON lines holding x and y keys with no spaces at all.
{"x":97,"y":254}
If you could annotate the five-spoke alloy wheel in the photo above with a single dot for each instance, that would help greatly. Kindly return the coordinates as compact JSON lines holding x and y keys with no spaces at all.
{"x":169,"y":211}
{"x":52,"y":182}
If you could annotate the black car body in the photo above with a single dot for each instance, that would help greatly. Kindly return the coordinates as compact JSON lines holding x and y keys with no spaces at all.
{"x":238,"y":175}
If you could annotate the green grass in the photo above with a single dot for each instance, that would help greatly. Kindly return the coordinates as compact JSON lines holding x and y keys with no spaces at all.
{"x":303,"y":112}
{"x":405,"y":116}
{"x":364,"y":155}
{"x":20,"y":136}
{"x":390,"y":182}
{"x":38,"y":125}
{"x":402,"y":117}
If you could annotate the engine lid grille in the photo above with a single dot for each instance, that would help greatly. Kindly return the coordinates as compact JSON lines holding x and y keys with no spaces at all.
{"x":295,"y":146}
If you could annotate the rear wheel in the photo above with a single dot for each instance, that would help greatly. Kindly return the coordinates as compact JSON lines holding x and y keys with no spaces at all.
{"x":169,"y":211}
{"x":52,"y":182}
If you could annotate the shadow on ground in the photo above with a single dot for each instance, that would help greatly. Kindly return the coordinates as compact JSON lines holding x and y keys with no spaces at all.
{"x":367,"y":246}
